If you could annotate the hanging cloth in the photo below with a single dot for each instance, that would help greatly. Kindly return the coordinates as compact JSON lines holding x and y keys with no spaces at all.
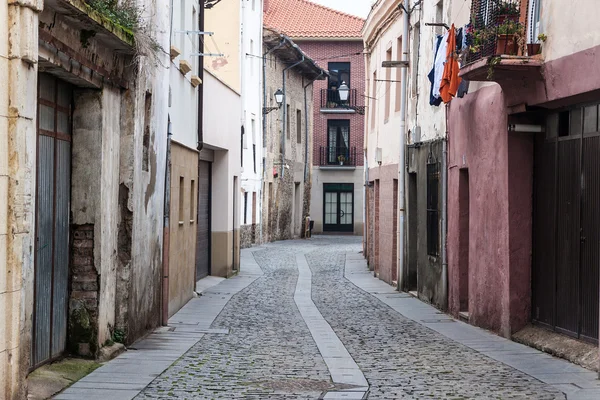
{"x":434,"y":101}
{"x":450,"y":78}
{"x":438,"y":66}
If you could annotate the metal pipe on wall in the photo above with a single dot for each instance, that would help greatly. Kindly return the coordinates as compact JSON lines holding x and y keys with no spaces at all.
{"x":402,"y":159}
{"x":166,"y":232}
{"x":445,"y":212}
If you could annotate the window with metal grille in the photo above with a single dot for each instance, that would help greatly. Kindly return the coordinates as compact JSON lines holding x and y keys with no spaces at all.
{"x":433,"y":232}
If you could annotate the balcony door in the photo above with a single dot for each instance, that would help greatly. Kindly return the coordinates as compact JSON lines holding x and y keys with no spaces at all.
{"x":338,"y":141}
{"x":338,"y":72}
{"x":338,"y":207}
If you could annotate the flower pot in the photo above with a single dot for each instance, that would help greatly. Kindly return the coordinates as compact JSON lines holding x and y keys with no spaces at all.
{"x":341,"y":163}
{"x":533,"y":49}
{"x":507,"y":44}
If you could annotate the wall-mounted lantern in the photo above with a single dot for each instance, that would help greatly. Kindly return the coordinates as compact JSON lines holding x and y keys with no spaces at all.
{"x":278,"y":98}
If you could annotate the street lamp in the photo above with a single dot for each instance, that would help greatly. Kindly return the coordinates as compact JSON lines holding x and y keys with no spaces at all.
{"x":344,"y":92}
{"x":278,"y":98}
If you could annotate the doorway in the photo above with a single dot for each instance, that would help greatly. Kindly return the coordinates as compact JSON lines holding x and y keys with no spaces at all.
{"x":52,"y":250}
{"x":566,"y":262}
{"x":463,"y":240}
{"x":338,"y":207}
{"x":203,"y":239}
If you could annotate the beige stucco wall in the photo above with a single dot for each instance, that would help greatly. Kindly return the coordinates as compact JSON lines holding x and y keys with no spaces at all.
{"x":182,"y":249}
{"x":224,"y":20}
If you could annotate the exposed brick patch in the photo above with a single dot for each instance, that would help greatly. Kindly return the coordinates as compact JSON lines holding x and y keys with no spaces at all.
{"x":83,"y":299}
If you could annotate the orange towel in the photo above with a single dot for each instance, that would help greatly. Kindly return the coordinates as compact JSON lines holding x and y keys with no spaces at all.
{"x":450,"y":78}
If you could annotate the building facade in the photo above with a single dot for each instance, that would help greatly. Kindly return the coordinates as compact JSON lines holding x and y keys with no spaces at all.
{"x":81,"y":181}
{"x":424,"y":148}
{"x":523,"y":226}
{"x":337,"y":161}
{"x":288,"y":134}
{"x":252,"y":152}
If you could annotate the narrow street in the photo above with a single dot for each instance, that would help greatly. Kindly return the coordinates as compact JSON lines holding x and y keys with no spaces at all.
{"x":306,"y":320}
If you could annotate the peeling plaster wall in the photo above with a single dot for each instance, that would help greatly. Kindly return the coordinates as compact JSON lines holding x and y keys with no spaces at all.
{"x":280,"y":212}
{"x":18,"y":71}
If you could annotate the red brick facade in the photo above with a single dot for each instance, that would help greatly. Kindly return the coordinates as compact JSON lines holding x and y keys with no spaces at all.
{"x":383,"y":222}
{"x":324,"y":52}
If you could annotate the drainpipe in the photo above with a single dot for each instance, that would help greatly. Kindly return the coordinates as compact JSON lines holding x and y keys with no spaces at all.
{"x":264,"y":123}
{"x":366,"y":157}
{"x":285,"y":116}
{"x":306,"y":126}
{"x":200,"y":87}
{"x":402,"y":162}
{"x":166,"y":233}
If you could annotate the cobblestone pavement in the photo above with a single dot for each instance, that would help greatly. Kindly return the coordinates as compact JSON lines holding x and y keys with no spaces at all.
{"x":269,"y":352}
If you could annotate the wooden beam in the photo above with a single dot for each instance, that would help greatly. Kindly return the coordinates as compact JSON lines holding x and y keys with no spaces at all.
{"x":394,"y":64}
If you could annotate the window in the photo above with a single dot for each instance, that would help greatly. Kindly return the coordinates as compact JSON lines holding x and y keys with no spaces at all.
{"x":414,"y":70}
{"x":181,"y":195}
{"x":298,"y":126}
{"x":433,"y":232}
{"x":195,"y":37}
{"x":439,"y":17}
{"x":399,"y":71}
{"x":288,"y":118}
{"x":245,"y":207}
{"x":338,"y":72}
{"x":182,"y":13}
{"x":254,"y":144}
{"x":338,"y":140}
{"x":374,"y":100}
{"x":242,"y":146}
{"x":146,"y":137}
{"x":254,"y":205}
{"x":251,"y":58}
{"x":388,"y":85}
{"x":192,"y":190}
{"x":534,"y":26}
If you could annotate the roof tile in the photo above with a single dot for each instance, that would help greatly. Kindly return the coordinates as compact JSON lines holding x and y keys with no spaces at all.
{"x":305,"y":19}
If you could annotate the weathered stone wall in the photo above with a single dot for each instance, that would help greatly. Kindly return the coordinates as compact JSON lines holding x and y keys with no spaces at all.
{"x":280,"y":219}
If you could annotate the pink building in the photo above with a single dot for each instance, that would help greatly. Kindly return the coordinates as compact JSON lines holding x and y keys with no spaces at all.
{"x":332,"y":39}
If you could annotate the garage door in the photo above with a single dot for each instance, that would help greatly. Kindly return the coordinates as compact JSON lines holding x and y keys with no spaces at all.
{"x":203,"y":236}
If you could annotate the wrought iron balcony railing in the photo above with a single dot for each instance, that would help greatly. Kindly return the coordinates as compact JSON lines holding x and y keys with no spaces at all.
{"x":338,"y":156}
{"x":330,"y":101}
{"x":495,"y":29}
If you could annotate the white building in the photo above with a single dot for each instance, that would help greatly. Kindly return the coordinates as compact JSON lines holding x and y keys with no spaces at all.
{"x":252,"y":152}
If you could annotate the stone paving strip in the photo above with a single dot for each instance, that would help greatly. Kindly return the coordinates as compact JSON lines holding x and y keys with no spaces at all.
{"x":127,"y":375}
{"x":341,"y":365}
{"x":574,"y":381}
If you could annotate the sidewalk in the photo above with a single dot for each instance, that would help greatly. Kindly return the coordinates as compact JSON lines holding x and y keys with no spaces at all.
{"x":576,"y":382}
{"x":127,"y":375}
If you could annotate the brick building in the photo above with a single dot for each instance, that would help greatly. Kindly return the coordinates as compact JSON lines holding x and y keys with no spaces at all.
{"x":333,"y":39}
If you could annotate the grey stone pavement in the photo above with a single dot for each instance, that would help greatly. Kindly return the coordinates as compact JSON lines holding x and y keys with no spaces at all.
{"x":307,"y":320}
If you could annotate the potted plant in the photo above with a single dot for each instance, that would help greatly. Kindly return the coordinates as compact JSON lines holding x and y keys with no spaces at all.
{"x":341,"y":158}
{"x":508,"y":11}
{"x":510,"y":36}
{"x":534,"y":48}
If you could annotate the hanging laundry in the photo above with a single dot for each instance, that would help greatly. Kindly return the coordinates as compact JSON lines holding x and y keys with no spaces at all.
{"x":434,"y":101}
{"x":450,"y":78}
{"x":440,"y":59}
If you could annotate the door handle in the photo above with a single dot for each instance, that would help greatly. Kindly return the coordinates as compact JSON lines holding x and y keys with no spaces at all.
{"x":583,"y":238}
{"x":342,"y":213}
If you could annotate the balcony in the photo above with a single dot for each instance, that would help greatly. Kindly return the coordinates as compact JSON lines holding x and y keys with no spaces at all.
{"x":331,"y":103}
{"x":337,"y":158}
{"x":496,"y":40}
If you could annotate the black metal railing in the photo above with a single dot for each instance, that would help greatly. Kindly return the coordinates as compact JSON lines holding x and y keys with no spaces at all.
{"x":330,"y":100}
{"x":340,"y":156}
{"x":494,"y":29}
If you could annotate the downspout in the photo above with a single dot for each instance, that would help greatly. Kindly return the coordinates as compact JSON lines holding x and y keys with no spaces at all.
{"x":366,"y":157}
{"x":166,"y":232}
{"x":264,"y":123}
{"x":402,"y":159}
{"x":200,"y":87}
{"x":306,"y":126}
{"x":285,"y":116}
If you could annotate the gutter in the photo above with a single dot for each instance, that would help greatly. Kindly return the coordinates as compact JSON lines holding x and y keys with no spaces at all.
{"x":166,"y":232}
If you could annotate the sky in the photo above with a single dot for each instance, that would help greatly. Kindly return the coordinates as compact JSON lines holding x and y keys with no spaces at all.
{"x":360,"y":8}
